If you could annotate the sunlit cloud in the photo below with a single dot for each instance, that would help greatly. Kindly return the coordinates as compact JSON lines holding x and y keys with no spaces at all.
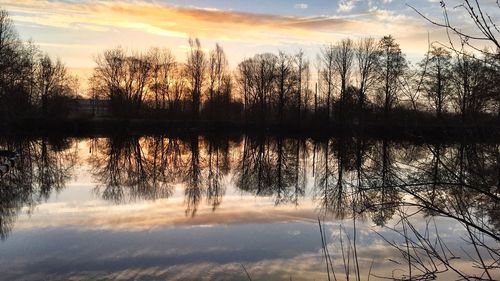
{"x":183,"y":22}
{"x":76,"y":32}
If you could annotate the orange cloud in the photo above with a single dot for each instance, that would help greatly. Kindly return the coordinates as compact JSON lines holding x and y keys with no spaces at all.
{"x":173,"y":21}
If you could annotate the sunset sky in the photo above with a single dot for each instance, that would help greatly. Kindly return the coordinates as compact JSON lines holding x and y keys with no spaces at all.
{"x":76,"y":31}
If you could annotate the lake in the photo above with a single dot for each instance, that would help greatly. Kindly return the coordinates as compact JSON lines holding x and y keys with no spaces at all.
{"x":248,"y":208}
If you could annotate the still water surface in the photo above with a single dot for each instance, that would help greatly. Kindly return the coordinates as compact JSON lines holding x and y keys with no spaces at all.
{"x":219,"y":208}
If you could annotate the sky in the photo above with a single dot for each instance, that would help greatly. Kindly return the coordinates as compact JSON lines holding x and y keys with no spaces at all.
{"x":76,"y":31}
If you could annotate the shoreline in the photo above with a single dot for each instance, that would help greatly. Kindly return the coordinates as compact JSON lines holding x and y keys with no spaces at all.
{"x":395,"y":129}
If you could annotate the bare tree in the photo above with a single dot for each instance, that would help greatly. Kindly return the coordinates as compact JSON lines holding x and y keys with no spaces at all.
{"x":470,"y":94}
{"x":307,"y":86}
{"x":343,"y":60}
{"x":155,"y":84}
{"x":367,"y":57}
{"x":285,"y":85}
{"x":8,"y":41}
{"x":18,"y":64}
{"x":124,"y":78}
{"x":302,"y":66}
{"x":486,"y":30}
{"x":179,"y":90}
{"x":217,"y":70}
{"x":318,"y":64}
{"x":162,"y":66}
{"x":328,"y":73}
{"x":437,"y":78}
{"x":196,"y":68}
{"x":107,"y":77}
{"x":217,"y":66}
{"x":167,"y":70}
{"x":259,"y":79}
{"x":53,"y":81}
{"x":392,"y":66}
{"x":266,"y":72}
{"x":139,"y":67}
{"x":245,"y":81}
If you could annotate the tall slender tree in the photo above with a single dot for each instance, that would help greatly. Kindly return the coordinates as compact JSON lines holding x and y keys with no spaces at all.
{"x":437,"y":78}
{"x":343,"y":59}
{"x":392,"y":66}
{"x":301,"y":65}
{"x":367,"y":57}
{"x":196,"y":68}
{"x":328,"y":74}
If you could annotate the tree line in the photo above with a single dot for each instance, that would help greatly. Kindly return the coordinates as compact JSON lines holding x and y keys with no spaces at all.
{"x":156,"y":84}
{"x":348,"y":81}
{"x":347,"y":78}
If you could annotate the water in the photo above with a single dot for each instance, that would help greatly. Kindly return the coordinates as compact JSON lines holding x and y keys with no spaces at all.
{"x":217,"y":208}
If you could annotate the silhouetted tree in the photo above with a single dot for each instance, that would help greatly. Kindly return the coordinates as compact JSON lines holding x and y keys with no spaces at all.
{"x":367,"y":57}
{"x":162,"y":73}
{"x":302,"y":66}
{"x":384,"y":196}
{"x":42,"y":168}
{"x":437,"y":77}
{"x":258,"y":80}
{"x":53,"y":82}
{"x":30,"y":80}
{"x":483,"y":26}
{"x":392,"y":65}
{"x":285,"y":83}
{"x":196,"y":70}
{"x":343,"y":60}
{"x":470,"y":95}
{"x":327,"y":74}
{"x":267,"y":89}
{"x":219,"y":81}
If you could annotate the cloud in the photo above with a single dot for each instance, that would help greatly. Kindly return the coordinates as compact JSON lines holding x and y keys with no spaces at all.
{"x":181,"y":22}
{"x":107,"y":24}
{"x":346,"y":6}
{"x":301,"y":6}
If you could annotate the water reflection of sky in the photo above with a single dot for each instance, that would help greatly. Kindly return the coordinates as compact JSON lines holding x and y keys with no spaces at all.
{"x":76,"y":234}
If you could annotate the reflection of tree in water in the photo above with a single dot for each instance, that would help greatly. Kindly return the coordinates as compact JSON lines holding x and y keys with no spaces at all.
{"x":254,"y":169}
{"x":340,"y":175}
{"x":458,"y":182}
{"x":300,"y":170}
{"x":284,"y":173}
{"x":193,"y":181}
{"x":350,"y":174}
{"x":383,"y":180}
{"x":273,"y":167}
{"x":383,"y":196}
{"x":133,"y":168}
{"x":330,"y":197}
{"x":373,"y":178}
{"x":43,"y":166}
{"x":148,"y":168}
{"x":218,"y":166}
{"x":208,"y":163}
{"x":352,"y":178}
